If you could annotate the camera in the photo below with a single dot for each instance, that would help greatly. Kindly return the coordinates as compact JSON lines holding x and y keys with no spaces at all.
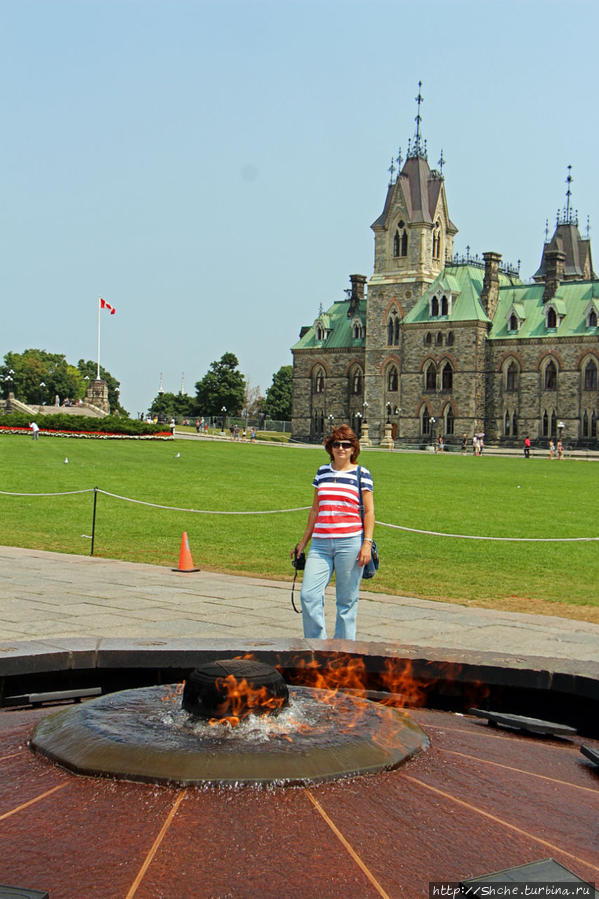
{"x":299,"y":562}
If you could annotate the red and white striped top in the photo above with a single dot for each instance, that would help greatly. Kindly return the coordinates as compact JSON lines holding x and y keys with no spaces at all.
{"x":338,"y":501}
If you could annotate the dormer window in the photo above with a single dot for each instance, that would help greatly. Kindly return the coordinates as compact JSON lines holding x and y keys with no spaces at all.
{"x":592,"y":319}
{"x":357,"y":329}
{"x":551,"y":318}
{"x":513,"y":324}
{"x":444,"y":305}
{"x":434,"y":307}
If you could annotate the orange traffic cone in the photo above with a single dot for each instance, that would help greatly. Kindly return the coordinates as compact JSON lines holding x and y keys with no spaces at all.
{"x":185,"y":560}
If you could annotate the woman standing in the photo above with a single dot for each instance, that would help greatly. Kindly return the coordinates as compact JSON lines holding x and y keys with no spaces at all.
{"x":339,"y":542}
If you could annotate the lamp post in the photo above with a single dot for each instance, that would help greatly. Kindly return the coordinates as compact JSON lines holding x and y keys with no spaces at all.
{"x":359,"y":425}
{"x":388,"y":413}
{"x":224,"y":411}
{"x":42,"y":386}
{"x":331,"y":420}
{"x":560,"y":429}
{"x":433,"y":422}
{"x":8,"y":381}
{"x":364,"y":438}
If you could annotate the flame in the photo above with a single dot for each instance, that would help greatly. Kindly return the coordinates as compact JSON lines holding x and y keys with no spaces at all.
{"x":242,"y":699}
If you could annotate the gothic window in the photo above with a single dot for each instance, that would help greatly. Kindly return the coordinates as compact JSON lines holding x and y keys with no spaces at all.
{"x":357,"y":330}
{"x":511,"y":378}
{"x":428,"y":338}
{"x":356,"y":381}
{"x":426,"y":425}
{"x":551,"y":318}
{"x":447,"y":377}
{"x":553,"y":424}
{"x":393,"y":329}
{"x":392,"y":379}
{"x":430,"y":381}
{"x":318,"y":422}
{"x":404,"y":244}
{"x":507,"y":426}
{"x":450,"y":338}
{"x":400,"y":240}
{"x":396,"y":244}
{"x":320,"y":332}
{"x":449,"y":420}
{"x":439,"y":339}
{"x":437,"y":241}
{"x":545,"y":424}
{"x":319,"y":381}
{"x":551,"y":376}
{"x":513,"y":323}
{"x":444,"y":305}
{"x":592,"y":319}
{"x":590,"y":376}
{"x":434,"y":307}
{"x":585,"y":425}
{"x":515,"y":425}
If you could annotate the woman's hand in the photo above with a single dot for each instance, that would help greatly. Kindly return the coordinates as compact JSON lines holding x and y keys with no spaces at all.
{"x":297,"y":550}
{"x":365,"y":553}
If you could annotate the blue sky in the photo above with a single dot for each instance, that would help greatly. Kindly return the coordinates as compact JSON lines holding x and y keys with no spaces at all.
{"x":212,"y":168}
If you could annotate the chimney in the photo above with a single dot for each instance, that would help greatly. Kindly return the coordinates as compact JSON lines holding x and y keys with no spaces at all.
{"x":555,"y":261}
{"x":358,"y":284}
{"x":490,"y":292}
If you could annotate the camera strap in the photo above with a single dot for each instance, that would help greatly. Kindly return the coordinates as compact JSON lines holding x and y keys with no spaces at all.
{"x":292,"y":589}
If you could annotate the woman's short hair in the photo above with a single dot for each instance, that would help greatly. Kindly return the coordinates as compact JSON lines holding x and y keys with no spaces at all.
{"x":343,"y":432}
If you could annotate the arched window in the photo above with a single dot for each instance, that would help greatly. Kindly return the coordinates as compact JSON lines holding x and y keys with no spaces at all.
{"x":450,"y":338}
{"x":449,"y":420}
{"x":396,"y":244}
{"x":592,"y":319}
{"x":444,"y":305}
{"x":434,"y":307}
{"x":551,"y":376}
{"x":553,"y":424}
{"x":545,"y":424}
{"x":318,"y":381}
{"x":439,"y":339}
{"x":400,"y":240}
{"x":404,"y":244}
{"x":507,"y":425}
{"x":430,"y":381}
{"x":590,"y":376}
{"x":356,"y":381}
{"x":515,"y":425}
{"x":392,"y":379}
{"x":428,"y":339}
{"x":513,"y":324}
{"x":447,"y":377}
{"x":551,"y":318}
{"x":426,"y":421}
{"x":393,"y":329}
{"x":585,"y":425}
{"x":511,"y":378}
{"x":593,"y":424}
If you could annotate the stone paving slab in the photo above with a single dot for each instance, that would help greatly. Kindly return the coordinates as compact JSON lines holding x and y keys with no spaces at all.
{"x":44,"y":594}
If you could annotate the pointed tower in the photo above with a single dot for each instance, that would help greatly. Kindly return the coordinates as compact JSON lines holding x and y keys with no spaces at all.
{"x":413,"y":240}
{"x":567,"y":256}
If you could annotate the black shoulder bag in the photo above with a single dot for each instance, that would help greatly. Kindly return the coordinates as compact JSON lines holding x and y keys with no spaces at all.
{"x":371,"y":568}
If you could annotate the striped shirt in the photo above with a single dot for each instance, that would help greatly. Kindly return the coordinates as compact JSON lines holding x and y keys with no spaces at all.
{"x":338,"y":501}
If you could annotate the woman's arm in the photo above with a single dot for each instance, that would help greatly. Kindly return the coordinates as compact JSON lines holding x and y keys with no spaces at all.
{"x":366,"y":548}
{"x":312,"y":516}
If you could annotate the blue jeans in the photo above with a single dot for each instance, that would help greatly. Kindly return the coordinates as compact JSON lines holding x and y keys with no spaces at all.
{"x":340,"y":555}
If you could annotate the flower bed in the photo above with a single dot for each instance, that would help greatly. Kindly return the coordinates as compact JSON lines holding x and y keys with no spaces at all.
{"x":93,"y":435}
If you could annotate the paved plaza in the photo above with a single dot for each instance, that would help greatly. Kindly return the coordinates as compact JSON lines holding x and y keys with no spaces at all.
{"x":47,"y":596}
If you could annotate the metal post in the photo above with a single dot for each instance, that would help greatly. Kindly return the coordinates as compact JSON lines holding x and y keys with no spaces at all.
{"x":94,"y":520}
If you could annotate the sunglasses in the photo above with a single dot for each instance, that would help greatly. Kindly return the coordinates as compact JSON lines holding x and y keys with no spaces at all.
{"x":346,"y":444}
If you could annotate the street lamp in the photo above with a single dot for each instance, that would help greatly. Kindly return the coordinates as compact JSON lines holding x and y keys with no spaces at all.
{"x":388,"y":413}
{"x":331,"y":419}
{"x":224,"y":411}
{"x":42,"y":386}
{"x":365,"y":406}
{"x":433,"y":422}
{"x":359,"y":422}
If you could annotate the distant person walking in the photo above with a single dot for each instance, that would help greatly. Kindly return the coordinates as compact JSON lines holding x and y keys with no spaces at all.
{"x":560,"y":449}
{"x":527,"y":448}
{"x":551,"y":448}
{"x":35,"y":431}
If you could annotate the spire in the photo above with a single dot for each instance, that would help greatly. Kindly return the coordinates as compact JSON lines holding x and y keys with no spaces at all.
{"x":418,"y":147}
{"x":567,"y":215}
{"x":441,"y":163}
{"x":391,"y":171}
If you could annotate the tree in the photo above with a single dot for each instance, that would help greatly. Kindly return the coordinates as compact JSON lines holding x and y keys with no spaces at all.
{"x":89,"y":370}
{"x":278,"y":395}
{"x":254,"y":401}
{"x":222,"y":385}
{"x":36,"y":376}
{"x":172,"y":405}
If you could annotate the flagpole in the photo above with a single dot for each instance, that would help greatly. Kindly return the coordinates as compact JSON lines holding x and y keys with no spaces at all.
{"x":98,"y":371}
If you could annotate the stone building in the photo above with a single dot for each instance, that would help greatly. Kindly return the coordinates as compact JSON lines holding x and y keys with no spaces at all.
{"x":447,"y":345}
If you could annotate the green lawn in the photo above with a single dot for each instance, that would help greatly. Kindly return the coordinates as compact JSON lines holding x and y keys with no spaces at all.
{"x":451,"y":494}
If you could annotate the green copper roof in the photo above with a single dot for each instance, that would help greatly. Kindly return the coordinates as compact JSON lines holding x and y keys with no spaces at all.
{"x":339,"y":326}
{"x":465,"y":284}
{"x":572,"y":301}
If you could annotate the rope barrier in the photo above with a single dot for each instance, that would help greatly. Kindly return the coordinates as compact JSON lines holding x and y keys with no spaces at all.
{"x":384,"y":524}
{"x":400,"y":527}
{"x":65,"y":493}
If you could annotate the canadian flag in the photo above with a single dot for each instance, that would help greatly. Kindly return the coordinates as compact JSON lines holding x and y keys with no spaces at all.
{"x":105,"y":305}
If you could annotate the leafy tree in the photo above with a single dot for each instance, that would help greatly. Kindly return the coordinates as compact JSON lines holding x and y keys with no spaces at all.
{"x":88,"y":372}
{"x":222,"y":385}
{"x":35,"y":376}
{"x":278,"y":395}
{"x":172,"y":405}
